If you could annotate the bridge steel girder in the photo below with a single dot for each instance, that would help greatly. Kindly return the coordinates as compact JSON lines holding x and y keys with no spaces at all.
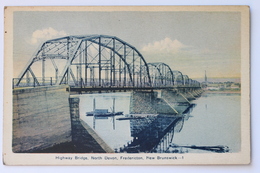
{"x":186,"y":80}
{"x":107,"y":61}
{"x":162,"y":72}
{"x":179,"y":80}
{"x":124,"y":63}
{"x":189,"y":82}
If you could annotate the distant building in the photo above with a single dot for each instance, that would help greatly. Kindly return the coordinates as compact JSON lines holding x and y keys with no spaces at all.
{"x":235,"y":86}
{"x":206,"y":79}
{"x":205,"y":83}
{"x":223,"y":86}
{"x":213,"y":86}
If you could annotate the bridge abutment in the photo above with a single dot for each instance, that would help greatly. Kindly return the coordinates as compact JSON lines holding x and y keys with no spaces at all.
{"x":41,"y":118}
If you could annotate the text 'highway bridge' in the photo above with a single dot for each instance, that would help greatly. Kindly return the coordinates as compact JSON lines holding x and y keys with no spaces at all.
{"x":96,"y":63}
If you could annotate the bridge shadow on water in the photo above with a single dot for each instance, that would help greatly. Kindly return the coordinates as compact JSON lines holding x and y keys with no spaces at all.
{"x":155,"y":134}
{"x":149,"y":132}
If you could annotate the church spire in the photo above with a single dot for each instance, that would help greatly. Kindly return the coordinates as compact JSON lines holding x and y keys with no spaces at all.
{"x":206,"y":80}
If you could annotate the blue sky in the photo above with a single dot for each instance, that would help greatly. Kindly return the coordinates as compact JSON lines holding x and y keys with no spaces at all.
{"x":191,"y":42}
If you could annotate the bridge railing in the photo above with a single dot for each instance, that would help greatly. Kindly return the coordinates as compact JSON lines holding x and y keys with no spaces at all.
{"x":107,"y":83}
{"x":49,"y":81}
{"x":94,"y":83}
{"x":33,"y":82}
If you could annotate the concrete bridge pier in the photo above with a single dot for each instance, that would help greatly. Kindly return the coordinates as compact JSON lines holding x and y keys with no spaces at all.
{"x":175,"y":96}
{"x":187,"y":93}
{"x":149,"y":102}
{"x":197,"y":92}
{"x":190,"y":93}
{"x":158,"y":102}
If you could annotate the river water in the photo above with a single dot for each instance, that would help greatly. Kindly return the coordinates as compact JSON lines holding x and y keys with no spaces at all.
{"x":213,"y":121}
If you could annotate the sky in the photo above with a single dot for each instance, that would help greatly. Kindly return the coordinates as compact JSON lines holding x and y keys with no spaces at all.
{"x":190,"y":42}
{"x":254,"y":8}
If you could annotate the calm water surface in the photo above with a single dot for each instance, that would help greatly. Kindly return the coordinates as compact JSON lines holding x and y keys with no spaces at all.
{"x":215,"y":120}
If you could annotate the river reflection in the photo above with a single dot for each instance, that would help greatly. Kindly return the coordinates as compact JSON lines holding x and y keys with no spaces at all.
{"x":159,"y":133}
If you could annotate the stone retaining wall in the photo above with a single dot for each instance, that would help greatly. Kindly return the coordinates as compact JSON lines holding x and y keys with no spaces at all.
{"x":41,"y":118}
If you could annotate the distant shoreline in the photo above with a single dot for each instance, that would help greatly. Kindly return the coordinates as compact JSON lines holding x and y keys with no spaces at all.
{"x":224,"y":92}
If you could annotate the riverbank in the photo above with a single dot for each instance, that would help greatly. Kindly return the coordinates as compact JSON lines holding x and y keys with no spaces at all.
{"x":223,"y":92}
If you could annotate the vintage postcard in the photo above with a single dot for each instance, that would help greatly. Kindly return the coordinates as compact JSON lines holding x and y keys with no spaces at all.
{"x":127,"y":85}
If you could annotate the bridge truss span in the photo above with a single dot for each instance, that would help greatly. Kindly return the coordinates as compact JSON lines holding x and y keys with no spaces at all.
{"x":161,"y":74}
{"x":95,"y":61}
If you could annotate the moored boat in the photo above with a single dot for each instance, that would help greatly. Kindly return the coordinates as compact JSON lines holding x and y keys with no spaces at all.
{"x":103,"y":112}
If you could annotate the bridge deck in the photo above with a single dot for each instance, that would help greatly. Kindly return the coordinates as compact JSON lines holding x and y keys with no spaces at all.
{"x":112,"y":89}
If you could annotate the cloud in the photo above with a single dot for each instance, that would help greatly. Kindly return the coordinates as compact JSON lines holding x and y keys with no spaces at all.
{"x":167,"y":46}
{"x":46,"y":34}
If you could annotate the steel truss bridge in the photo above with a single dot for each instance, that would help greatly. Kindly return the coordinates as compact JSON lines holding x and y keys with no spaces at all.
{"x":97,"y":61}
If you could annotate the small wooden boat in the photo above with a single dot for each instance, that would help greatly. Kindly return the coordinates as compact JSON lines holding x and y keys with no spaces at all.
{"x":103,"y":112}
{"x":99,"y":112}
{"x":119,"y":113}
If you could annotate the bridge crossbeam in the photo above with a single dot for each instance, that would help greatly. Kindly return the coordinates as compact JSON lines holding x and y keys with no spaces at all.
{"x":89,"y":60}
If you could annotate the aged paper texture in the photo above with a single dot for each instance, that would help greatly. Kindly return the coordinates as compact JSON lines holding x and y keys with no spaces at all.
{"x":127,"y":85}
